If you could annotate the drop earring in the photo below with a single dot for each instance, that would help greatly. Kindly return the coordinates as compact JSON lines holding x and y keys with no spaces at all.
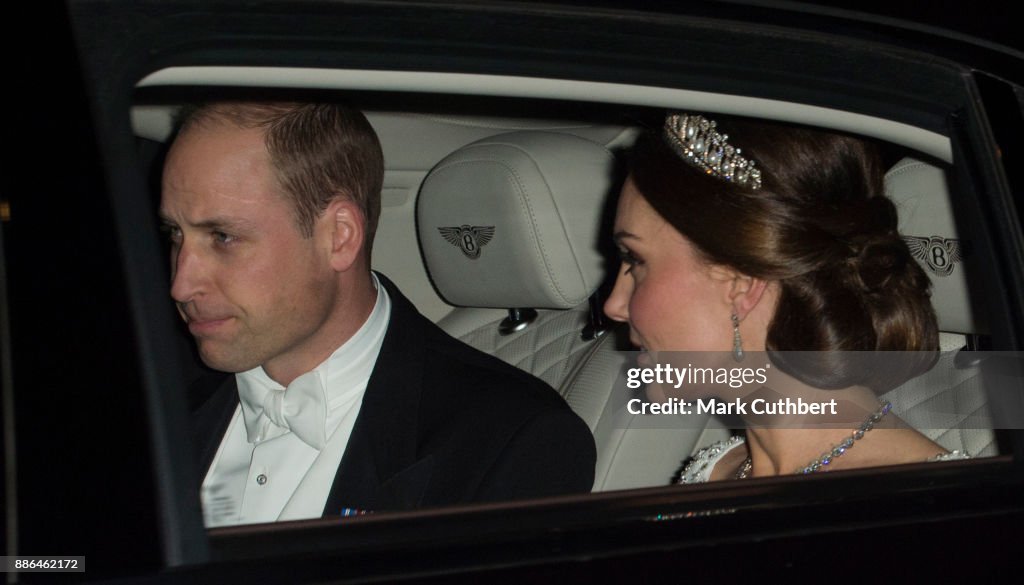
{"x":737,"y":343}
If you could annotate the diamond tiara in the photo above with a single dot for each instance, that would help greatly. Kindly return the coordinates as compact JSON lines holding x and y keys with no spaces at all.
{"x":695,"y":139}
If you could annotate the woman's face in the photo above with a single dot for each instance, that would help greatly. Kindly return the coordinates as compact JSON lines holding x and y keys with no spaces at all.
{"x":671,"y":298}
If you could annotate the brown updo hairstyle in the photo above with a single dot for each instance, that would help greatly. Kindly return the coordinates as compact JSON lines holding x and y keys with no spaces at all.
{"x":822,"y":227}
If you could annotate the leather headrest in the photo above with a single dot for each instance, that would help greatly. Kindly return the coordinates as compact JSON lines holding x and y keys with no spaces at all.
{"x":514,"y":220}
{"x":928,"y":225}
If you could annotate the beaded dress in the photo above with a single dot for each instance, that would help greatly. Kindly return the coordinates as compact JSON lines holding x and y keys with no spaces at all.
{"x":699,"y":468}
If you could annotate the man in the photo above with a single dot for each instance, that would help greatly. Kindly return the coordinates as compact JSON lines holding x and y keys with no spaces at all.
{"x":344,"y":399}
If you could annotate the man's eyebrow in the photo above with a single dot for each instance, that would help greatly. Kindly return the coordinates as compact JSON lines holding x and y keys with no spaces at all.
{"x":213,"y":223}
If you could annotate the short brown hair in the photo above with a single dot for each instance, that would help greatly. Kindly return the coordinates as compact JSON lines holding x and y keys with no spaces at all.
{"x":820,"y":225}
{"x":319,"y":151}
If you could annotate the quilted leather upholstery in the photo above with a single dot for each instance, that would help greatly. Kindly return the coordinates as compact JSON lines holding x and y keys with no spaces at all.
{"x":550,"y":348}
{"x":949,"y":405}
{"x":630,"y":454}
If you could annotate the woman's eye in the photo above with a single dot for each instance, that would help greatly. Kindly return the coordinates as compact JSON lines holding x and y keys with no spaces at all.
{"x":629,"y":259}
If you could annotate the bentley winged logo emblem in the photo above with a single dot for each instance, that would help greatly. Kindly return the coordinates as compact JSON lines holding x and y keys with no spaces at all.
{"x":468,"y":238}
{"x":940,"y":254}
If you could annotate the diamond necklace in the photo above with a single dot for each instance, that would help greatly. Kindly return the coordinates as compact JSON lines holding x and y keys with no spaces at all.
{"x":827,"y":457}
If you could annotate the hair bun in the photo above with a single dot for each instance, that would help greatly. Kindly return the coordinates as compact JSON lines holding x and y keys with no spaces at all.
{"x":882,"y":262}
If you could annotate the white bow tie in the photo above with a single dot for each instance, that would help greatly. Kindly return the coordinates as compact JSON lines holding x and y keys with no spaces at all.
{"x":301,"y":408}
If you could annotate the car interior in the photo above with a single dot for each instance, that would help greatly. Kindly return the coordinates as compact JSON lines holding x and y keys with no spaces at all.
{"x":496,"y":221}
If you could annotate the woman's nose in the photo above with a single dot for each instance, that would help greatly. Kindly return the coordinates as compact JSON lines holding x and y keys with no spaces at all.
{"x":617,"y":305}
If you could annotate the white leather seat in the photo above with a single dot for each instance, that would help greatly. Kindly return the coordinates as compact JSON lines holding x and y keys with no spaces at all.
{"x":949,"y":403}
{"x":515,"y":221}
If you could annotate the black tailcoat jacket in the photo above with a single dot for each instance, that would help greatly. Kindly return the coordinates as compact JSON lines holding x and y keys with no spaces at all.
{"x":441,"y":423}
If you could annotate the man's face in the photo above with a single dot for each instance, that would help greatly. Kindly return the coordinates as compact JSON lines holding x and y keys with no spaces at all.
{"x":252,"y":290}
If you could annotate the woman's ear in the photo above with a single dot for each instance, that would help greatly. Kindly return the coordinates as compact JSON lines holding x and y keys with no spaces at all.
{"x":742,"y":292}
{"x":747,"y":292}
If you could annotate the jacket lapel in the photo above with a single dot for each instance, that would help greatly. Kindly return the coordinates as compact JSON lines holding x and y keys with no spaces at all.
{"x":379,"y":469}
{"x":217,"y":397}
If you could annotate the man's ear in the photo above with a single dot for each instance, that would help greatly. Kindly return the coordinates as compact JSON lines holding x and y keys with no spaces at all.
{"x":346,"y":228}
{"x":742,"y":292}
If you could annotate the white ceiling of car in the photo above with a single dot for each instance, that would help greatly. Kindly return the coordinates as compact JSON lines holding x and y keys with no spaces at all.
{"x":416,"y":140}
{"x":156,"y":125}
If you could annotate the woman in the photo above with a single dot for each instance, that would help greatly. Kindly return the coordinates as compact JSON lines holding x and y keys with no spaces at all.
{"x":753,"y":237}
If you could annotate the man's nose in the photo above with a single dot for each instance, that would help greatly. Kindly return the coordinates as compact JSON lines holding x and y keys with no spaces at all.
{"x":186,"y":273}
{"x":617,"y":305}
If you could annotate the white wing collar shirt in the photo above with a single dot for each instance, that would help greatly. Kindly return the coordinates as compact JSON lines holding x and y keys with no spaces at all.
{"x":282,"y":448}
